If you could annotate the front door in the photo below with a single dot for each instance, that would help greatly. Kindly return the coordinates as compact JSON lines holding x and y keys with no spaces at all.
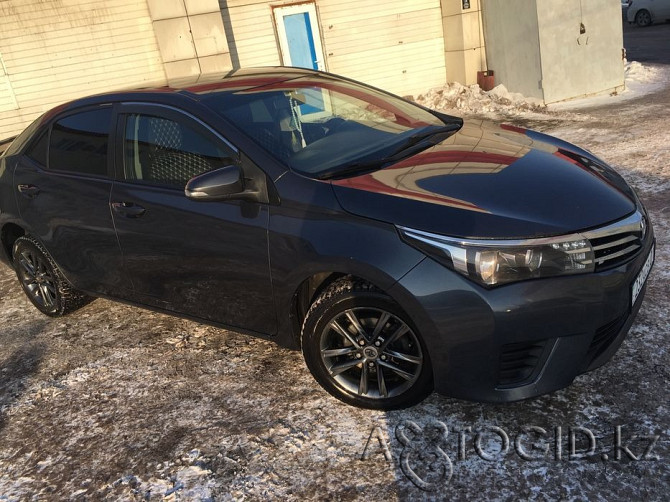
{"x":204,"y":259}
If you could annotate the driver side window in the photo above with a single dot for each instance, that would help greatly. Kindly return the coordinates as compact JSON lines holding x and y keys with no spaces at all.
{"x":162,"y":151}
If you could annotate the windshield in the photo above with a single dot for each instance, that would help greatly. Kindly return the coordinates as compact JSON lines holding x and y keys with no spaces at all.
{"x":322,"y":126}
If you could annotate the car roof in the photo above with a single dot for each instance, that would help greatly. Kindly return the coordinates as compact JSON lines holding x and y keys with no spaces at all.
{"x":191,"y":88}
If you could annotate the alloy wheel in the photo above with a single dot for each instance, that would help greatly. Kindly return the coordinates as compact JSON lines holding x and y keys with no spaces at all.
{"x":371,"y":353}
{"x":37,"y":279}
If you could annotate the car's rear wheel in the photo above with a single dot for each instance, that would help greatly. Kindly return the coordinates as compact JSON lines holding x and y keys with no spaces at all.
{"x":363,"y":349}
{"x":42,"y":281}
{"x":643,"y":18}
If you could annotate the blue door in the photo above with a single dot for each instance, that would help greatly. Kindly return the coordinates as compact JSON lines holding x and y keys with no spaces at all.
{"x":299,"y":38}
{"x":300,"y":41}
{"x":300,"y":45}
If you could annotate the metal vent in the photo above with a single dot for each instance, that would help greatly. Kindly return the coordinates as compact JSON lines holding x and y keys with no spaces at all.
{"x":518,"y":362}
{"x":604,"y":337}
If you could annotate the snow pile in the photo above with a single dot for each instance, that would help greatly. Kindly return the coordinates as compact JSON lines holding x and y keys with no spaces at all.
{"x":472,"y":99}
{"x":638,"y":73}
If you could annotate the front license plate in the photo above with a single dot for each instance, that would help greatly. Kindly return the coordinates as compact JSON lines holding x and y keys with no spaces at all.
{"x":642,"y":277}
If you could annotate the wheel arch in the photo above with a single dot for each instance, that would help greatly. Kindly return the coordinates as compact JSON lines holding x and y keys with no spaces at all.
{"x":310,"y":288}
{"x":8,"y":235}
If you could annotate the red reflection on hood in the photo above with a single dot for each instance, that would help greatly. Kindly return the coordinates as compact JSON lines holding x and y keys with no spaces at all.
{"x":370,"y":183}
{"x":392,"y":181}
{"x":455,"y":156}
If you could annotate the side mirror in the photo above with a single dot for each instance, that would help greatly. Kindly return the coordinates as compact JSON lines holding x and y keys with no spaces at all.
{"x":219,"y":184}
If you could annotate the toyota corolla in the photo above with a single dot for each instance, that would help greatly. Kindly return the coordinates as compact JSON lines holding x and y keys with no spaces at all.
{"x":401,"y":249}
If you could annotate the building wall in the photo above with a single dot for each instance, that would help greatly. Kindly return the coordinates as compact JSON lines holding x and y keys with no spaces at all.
{"x":394,"y":44}
{"x":513,"y":45}
{"x":191,"y":38}
{"x":52,"y":51}
{"x":464,"y":48}
{"x":577,"y":64}
{"x":537,"y":47}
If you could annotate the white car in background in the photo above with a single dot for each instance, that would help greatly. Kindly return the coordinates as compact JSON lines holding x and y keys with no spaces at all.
{"x":646,"y":12}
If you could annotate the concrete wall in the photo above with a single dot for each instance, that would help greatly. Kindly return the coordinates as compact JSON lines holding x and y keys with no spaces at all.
{"x":513,"y":44}
{"x":537,"y":48}
{"x":464,"y":50}
{"x":577,"y":64}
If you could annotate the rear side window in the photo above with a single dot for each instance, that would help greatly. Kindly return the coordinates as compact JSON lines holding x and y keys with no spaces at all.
{"x":79,"y":142}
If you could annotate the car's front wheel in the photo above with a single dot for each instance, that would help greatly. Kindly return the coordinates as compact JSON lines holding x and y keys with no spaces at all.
{"x":643,"y":18}
{"x":42,"y":281}
{"x":363,"y":349}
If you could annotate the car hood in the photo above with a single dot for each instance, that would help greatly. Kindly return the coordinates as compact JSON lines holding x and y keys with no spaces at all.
{"x":491,"y":181}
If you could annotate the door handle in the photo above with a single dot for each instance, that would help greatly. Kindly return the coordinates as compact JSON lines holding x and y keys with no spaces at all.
{"x":28,"y":191}
{"x":128,"y":209}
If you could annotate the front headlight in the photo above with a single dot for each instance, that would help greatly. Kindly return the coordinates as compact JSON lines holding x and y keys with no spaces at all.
{"x":495,"y":262}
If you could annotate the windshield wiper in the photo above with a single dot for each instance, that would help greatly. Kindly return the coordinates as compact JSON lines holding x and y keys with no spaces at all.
{"x":418,"y":137}
{"x":404,"y":150}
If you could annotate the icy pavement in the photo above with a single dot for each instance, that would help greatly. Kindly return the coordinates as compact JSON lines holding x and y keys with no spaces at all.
{"x":118,"y":403}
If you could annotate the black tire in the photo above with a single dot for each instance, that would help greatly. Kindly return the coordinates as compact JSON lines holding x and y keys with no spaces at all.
{"x":357,"y":358}
{"x":42,"y":281}
{"x":643,"y":18}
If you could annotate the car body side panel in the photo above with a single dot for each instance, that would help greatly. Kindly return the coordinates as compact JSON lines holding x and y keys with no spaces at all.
{"x":309,"y":237}
{"x":203,"y":259}
{"x":71,"y":217}
{"x":9,"y":212}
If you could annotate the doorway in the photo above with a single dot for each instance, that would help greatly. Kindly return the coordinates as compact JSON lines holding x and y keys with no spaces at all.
{"x":299,"y":37}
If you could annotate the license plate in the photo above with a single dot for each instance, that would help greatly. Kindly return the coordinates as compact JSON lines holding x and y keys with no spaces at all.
{"x":642,"y":277}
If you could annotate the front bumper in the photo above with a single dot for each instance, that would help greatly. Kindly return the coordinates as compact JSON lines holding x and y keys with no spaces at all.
{"x":519,"y":340}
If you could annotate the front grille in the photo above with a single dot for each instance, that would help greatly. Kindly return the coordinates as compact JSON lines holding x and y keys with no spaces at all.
{"x":518,"y":362}
{"x":618,"y":243}
{"x":604,"y":337}
{"x":615,"y":249}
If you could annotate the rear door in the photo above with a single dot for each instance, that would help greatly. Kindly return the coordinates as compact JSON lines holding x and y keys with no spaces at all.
{"x":203,"y":259}
{"x":63,"y":182}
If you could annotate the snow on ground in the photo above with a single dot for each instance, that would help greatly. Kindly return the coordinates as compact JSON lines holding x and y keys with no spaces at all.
{"x":117,"y":403}
{"x":640,"y":80}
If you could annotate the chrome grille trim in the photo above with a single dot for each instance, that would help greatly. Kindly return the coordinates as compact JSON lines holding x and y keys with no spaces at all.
{"x":608,"y":242}
{"x":615,"y":243}
{"x":630,"y":224}
{"x":623,"y":252}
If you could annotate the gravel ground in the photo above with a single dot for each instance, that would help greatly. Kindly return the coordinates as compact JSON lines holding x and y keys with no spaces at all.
{"x":117,"y":403}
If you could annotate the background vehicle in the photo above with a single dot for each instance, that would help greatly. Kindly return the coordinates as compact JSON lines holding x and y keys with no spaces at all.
{"x":401,"y":249}
{"x":645,"y":12}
